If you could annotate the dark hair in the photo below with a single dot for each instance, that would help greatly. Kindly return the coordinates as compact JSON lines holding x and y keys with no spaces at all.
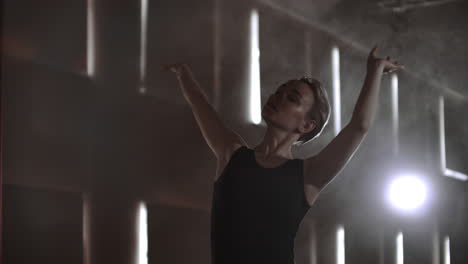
{"x":320,"y":112}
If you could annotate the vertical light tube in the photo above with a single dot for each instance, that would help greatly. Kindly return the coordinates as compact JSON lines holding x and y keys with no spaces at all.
{"x":446,"y":250}
{"x":254,"y":82}
{"x":340,"y":245}
{"x":217,"y":53}
{"x":307,"y":54}
{"x":442,"y":134}
{"x":90,"y":39}
{"x":143,"y":32}
{"x":313,"y":244}
{"x":381,"y":246}
{"x":142,"y":234}
{"x":399,"y":248}
{"x":336,"y":88}
{"x":395,"y":116}
{"x":435,"y":245}
{"x":85,"y":228}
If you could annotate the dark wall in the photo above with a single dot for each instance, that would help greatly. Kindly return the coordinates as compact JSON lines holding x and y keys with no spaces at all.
{"x":47,"y":125}
{"x":178,"y":235}
{"x":41,"y":226}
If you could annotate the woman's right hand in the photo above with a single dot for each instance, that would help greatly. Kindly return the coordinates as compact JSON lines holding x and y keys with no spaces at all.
{"x":178,"y":68}
{"x":185,"y":77}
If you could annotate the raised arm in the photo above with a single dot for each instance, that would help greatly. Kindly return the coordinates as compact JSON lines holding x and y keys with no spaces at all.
{"x":219,"y":138}
{"x":329,"y":162}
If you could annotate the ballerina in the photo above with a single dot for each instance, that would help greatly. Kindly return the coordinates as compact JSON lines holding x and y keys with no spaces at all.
{"x":261,"y":194}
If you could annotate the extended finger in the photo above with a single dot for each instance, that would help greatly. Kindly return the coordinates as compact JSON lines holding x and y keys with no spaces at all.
{"x":374,"y":51}
{"x":170,"y":67}
{"x":399,"y":65}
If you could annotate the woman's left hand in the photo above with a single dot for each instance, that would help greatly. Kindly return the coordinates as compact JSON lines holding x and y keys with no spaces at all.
{"x":388,"y":66}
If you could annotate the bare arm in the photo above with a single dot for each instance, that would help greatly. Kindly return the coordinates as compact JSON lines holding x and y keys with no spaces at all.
{"x":366,"y":105}
{"x":219,"y":138}
{"x":323,"y":167}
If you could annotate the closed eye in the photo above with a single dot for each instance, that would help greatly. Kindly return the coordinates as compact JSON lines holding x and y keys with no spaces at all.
{"x":290,"y":97}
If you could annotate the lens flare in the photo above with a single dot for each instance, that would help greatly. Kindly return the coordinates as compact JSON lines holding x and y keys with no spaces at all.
{"x":407,"y":192}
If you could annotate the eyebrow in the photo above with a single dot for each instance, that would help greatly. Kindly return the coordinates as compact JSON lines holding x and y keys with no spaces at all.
{"x":297,"y":93}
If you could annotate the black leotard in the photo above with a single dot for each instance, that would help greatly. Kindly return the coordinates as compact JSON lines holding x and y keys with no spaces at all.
{"x":256,"y":211}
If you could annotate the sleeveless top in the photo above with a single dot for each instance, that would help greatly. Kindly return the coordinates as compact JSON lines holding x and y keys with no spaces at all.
{"x":256,"y":211}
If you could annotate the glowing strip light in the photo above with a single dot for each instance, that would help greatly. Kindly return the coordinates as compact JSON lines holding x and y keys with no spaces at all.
{"x":340,"y":245}
{"x":216,"y":52}
{"x":313,"y":244}
{"x":255,"y":99}
{"x":443,"y":162}
{"x":142,"y":234}
{"x":144,"y":23}
{"x":446,"y":250}
{"x":307,"y":54}
{"x":455,"y":174}
{"x":90,"y":40}
{"x":399,"y":248}
{"x":442,"y":133}
{"x":435,"y":246}
{"x":395,"y":116}
{"x":336,"y":88}
{"x":86,"y":230}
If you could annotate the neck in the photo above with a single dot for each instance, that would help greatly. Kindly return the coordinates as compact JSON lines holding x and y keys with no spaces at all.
{"x":276,"y":143}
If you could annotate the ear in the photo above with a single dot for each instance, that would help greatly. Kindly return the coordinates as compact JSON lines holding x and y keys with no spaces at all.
{"x":307,"y":126}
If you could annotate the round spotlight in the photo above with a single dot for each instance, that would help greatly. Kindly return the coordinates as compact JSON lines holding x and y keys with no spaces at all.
{"x":407,"y":192}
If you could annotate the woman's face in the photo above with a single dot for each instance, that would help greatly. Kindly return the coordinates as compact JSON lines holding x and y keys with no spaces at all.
{"x":290,"y":102}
